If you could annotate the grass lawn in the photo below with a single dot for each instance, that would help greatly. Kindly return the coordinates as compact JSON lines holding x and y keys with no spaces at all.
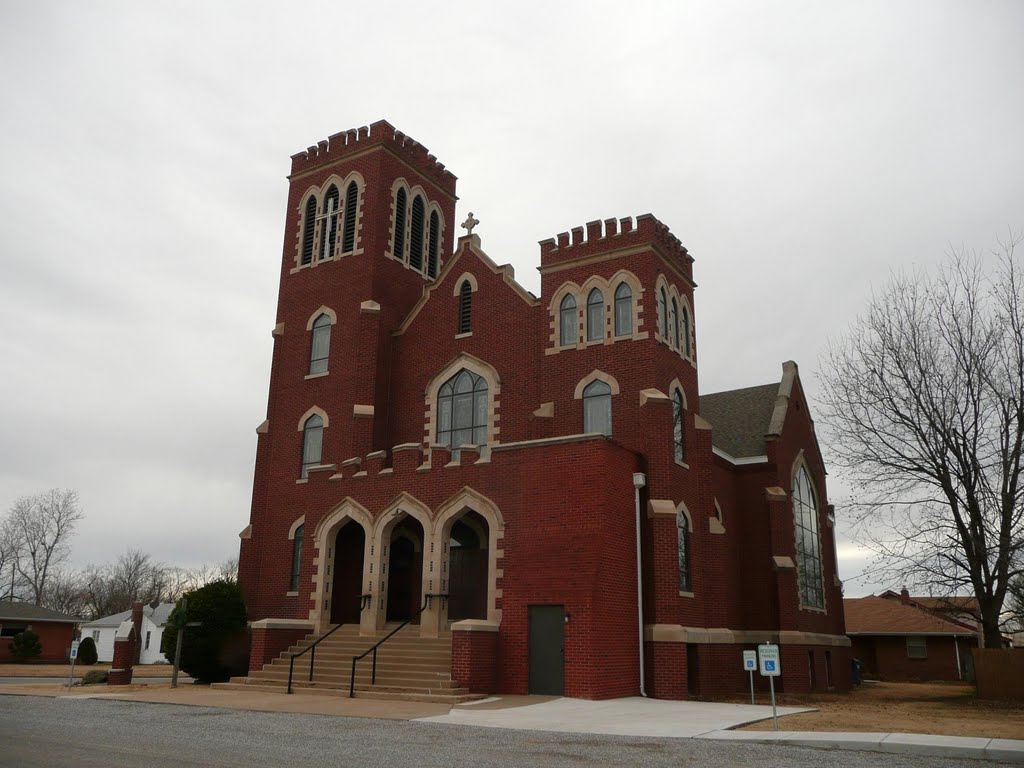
{"x":63,"y":670}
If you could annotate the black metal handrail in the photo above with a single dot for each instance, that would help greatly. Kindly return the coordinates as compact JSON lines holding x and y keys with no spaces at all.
{"x":364,"y":602}
{"x":373,"y":649}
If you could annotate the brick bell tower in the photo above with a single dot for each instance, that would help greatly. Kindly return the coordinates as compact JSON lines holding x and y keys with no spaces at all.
{"x":369,"y":223}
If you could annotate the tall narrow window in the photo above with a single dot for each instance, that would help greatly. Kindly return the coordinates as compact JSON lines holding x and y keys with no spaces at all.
{"x":686,"y":331}
{"x":595,"y":316}
{"x":465,"y":307}
{"x":312,"y":443}
{"x":329,"y":225}
{"x":678,"y":426}
{"x":683,"y":531}
{"x":308,"y":230}
{"x":296,"y":558}
{"x":568,"y":333}
{"x":398,"y":251}
{"x":808,"y":545}
{"x":433,"y":244}
{"x":673,"y":322}
{"x":321,"y":347}
{"x":663,"y":306}
{"x":348,"y":238}
{"x":623,"y":310}
{"x":597,"y":408}
{"x":462,"y":410}
{"x":416,"y":234}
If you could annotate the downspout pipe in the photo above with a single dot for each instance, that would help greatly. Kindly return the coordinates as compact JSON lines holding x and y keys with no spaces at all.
{"x":639,"y":481}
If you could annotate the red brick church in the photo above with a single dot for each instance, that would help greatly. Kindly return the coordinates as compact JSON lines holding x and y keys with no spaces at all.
{"x":444,"y":448}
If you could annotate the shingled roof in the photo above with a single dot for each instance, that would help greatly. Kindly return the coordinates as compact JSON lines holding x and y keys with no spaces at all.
{"x":875,"y":615}
{"x":12,"y":610}
{"x":740,"y":419}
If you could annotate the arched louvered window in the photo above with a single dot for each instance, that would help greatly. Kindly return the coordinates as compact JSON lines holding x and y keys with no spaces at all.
{"x":595,"y":316}
{"x":623,"y":310}
{"x":321,"y":345}
{"x":673,"y":323}
{"x":308,"y":230}
{"x":433,"y":243}
{"x":398,"y":251}
{"x":329,"y":227}
{"x":312,"y":443}
{"x":465,"y":307}
{"x":462,"y":410}
{"x":663,"y":307}
{"x":416,"y":233}
{"x":597,"y":408}
{"x":300,"y":532}
{"x":686,"y":331}
{"x":808,"y":544}
{"x":569,"y":331}
{"x":683,"y":530}
{"x":678,"y":426}
{"x":348,"y":239}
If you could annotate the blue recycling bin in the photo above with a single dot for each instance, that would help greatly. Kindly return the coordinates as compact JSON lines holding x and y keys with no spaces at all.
{"x":855,"y":668}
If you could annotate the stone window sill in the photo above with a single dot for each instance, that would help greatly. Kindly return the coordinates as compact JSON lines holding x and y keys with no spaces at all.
{"x":465,"y":335}
{"x":291,"y":594}
{"x":686,"y":594}
{"x":317,"y":375}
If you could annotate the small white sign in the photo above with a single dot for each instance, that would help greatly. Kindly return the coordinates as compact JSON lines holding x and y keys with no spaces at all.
{"x":768,"y":655}
{"x":749,"y":661}
{"x":74,"y":649}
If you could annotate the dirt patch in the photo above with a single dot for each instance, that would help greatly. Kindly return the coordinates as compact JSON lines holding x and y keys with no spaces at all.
{"x":938,"y":708}
{"x":63,"y":670}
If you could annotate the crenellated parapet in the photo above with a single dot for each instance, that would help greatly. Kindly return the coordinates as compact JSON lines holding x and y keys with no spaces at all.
{"x":350,"y":142}
{"x":598,"y":236}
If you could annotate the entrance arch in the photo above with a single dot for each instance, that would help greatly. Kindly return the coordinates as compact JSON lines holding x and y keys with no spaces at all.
{"x":347,"y":574}
{"x":405,"y":570}
{"x":467,"y":567}
{"x":339,"y":526}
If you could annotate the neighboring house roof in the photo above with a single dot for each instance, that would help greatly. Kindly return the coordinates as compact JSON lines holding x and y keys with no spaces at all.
{"x":157,"y":615}
{"x":740,"y":419}
{"x":876,"y":615}
{"x":951,"y":604}
{"x":16,"y":611}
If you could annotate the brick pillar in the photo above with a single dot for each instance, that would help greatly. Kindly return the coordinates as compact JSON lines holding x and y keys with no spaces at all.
{"x":126,"y":644}
{"x":137,"y":625}
{"x":475,"y":655}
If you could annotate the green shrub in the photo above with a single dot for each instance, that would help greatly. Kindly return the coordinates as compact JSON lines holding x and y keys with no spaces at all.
{"x":94,"y":677}
{"x":87,"y":652}
{"x":25,"y":645}
{"x":219,"y":647}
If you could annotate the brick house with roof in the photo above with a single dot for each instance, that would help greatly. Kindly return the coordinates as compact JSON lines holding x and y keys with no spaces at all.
{"x":443,"y":447}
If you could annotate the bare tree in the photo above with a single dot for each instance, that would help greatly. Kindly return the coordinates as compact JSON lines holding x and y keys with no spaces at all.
{"x":40,"y":527}
{"x":133,"y":577}
{"x":65,"y":592}
{"x":924,"y":405}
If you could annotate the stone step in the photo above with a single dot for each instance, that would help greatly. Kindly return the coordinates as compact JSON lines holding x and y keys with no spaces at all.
{"x":443,"y":657}
{"x":411,"y":664}
{"x":402,"y":695}
{"x":343,"y":680}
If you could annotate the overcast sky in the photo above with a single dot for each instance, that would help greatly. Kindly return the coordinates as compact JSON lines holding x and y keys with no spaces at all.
{"x":799,"y":150}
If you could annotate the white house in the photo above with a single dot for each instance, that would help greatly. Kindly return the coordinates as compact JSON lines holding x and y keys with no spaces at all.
{"x":153,"y":621}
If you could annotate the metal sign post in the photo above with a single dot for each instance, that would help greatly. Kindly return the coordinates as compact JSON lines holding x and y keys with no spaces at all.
{"x":771,"y":667}
{"x":74,"y":655}
{"x":749,"y":665}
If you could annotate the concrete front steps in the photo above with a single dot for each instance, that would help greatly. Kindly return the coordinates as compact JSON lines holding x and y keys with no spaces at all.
{"x":409,"y":668}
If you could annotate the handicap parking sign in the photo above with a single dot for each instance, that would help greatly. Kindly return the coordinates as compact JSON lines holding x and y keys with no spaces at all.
{"x":768,"y":655}
{"x":749,"y":661}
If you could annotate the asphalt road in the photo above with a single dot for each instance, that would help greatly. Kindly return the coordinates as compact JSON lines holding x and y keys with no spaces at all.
{"x":88,"y":733}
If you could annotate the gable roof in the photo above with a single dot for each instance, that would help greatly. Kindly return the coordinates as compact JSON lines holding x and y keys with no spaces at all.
{"x":740,"y":419}
{"x":951,"y":604}
{"x":16,"y":611}
{"x":157,"y":615}
{"x":877,"y":615}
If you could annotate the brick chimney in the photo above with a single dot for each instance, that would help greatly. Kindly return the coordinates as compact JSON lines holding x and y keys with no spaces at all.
{"x":137,"y":623}
{"x":904,"y":596}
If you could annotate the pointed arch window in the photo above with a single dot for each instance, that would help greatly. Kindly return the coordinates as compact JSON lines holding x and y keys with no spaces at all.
{"x":398,"y":248}
{"x":597,"y":408}
{"x":433,"y":243}
{"x":623,"y":310}
{"x":808,"y":544}
{"x":320,"y":347}
{"x":673,"y":322}
{"x":568,"y":332}
{"x":297,"y":557}
{"x":465,"y":307}
{"x":678,"y":427}
{"x":416,"y":233}
{"x":308,"y":230}
{"x":595,"y":315}
{"x":686,"y":331}
{"x":462,"y":410}
{"x":683,"y":531}
{"x":312,"y":443}
{"x":329,"y":225}
{"x":663,"y":306}
{"x":348,"y":238}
